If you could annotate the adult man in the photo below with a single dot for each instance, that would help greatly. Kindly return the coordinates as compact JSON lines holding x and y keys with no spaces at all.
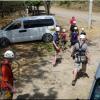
{"x":80,"y":55}
{"x":55,"y":44}
{"x":6,"y":84}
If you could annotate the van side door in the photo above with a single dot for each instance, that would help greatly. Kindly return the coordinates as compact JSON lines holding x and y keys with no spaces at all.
{"x":33,"y":31}
{"x":12,"y":32}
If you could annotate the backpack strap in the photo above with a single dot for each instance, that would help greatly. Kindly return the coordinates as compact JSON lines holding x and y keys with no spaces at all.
{"x":80,"y":45}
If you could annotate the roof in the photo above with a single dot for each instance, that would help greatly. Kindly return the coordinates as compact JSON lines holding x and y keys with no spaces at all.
{"x":34,"y":17}
{"x":98,"y":72}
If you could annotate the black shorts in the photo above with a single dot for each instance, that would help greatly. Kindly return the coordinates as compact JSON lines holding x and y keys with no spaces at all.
{"x":63,"y":42}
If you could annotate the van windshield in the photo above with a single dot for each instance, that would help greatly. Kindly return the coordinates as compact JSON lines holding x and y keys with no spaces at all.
{"x":3,"y":27}
{"x":38,"y":23}
{"x":96,"y":91}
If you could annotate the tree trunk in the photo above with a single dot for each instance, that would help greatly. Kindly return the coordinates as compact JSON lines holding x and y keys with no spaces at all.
{"x":2,"y":10}
{"x":37,"y":9}
{"x":47,"y":6}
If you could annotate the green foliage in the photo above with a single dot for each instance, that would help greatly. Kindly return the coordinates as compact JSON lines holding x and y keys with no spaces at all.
{"x":33,"y":3}
{"x":65,"y":3}
{"x":48,"y":47}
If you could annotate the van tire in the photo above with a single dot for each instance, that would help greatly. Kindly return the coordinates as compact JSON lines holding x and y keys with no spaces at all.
{"x":4,"y":42}
{"x":47,"y":37}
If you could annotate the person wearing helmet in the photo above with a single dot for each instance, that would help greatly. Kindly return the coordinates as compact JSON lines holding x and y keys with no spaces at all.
{"x":82,"y":31}
{"x":73,"y":21}
{"x":72,"y":24}
{"x":7,"y":76}
{"x":56,"y":44}
{"x":74,"y":36}
{"x":63,"y":38}
{"x":80,"y":55}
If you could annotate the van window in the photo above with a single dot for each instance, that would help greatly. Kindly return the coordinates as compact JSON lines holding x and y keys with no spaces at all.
{"x":3,"y":27}
{"x":96,"y":91}
{"x":15,"y":25}
{"x":38,"y":23}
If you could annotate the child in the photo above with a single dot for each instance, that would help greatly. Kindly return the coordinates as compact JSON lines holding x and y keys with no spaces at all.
{"x":7,"y":75}
{"x":63,"y":39}
{"x":55,"y":44}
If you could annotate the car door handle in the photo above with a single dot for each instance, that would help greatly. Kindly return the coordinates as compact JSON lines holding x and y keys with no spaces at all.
{"x":22,"y":31}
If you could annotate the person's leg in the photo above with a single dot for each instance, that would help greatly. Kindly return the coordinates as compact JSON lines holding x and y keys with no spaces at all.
{"x":75,"y":72}
{"x":65,"y":43}
{"x":84,"y":67}
{"x":62,"y":45}
{"x":54,"y":59}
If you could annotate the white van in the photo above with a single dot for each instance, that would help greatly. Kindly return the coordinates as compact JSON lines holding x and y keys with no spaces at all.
{"x":28,"y":29}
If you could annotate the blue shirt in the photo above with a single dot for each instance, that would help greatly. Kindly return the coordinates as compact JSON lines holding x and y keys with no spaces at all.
{"x":56,"y":37}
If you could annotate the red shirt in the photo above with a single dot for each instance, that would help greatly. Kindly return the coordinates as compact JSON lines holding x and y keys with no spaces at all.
{"x":63,"y":36}
{"x":7,"y":75}
{"x":72,"y":20}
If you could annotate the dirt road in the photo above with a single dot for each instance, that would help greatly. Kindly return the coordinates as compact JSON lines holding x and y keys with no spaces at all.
{"x":39,"y":79}
{"x":82,"y":16}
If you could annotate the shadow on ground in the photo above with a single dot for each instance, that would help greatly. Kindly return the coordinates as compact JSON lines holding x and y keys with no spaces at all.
{"x":38,"y":95}
{"x":32,"y":63}
{"x":82,"y":74}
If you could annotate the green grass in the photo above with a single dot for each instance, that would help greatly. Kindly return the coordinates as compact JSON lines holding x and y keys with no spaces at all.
{"x":48,"y":47}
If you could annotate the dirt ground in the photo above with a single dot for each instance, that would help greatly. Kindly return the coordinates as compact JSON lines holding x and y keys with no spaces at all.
{"x":38,"y":79}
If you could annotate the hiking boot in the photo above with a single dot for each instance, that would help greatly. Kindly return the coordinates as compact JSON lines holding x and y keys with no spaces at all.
{"x":73,"y":83}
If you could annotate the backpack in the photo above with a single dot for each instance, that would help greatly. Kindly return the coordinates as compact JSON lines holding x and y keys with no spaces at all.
{"x":80,"y":56}
{"x":74,"y":36}
{"x":72,"y":28}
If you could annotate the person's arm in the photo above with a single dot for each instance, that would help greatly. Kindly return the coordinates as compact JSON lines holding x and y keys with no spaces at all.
{"x":70,"y":21}
{"x":72,"y":51}
{"x":88,"y":55}
{"x":55,"y":45}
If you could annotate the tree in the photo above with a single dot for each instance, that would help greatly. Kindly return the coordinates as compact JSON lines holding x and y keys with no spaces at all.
{"x":47,"y":5}
{"x":7,"y":7}
{"x":34,"y":5}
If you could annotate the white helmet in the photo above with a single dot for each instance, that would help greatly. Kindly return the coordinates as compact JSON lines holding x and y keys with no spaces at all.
{"x":82,"y":36}
{"x":63,"y":30}
{"x":82,"y":29}
{"x":75,"y":28}
{"x":57,"y":28}
{"x":9,"y":54}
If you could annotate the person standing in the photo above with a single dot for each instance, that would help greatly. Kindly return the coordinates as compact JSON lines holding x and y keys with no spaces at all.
{"x":82,"y":31}
{"x":73,"y":20}
{"x":74,"y":36}
{"x":63,"y":39}
{"x":56,"y":44}
{"x":80,"y":55}
{"x":6,"y":84}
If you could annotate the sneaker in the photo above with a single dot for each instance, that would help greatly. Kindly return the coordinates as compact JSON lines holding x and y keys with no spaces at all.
{"x":73,"y":83}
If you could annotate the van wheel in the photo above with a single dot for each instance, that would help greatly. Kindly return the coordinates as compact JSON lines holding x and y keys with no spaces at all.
{"x":47,"y":37}
{"x":4,"y":42}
